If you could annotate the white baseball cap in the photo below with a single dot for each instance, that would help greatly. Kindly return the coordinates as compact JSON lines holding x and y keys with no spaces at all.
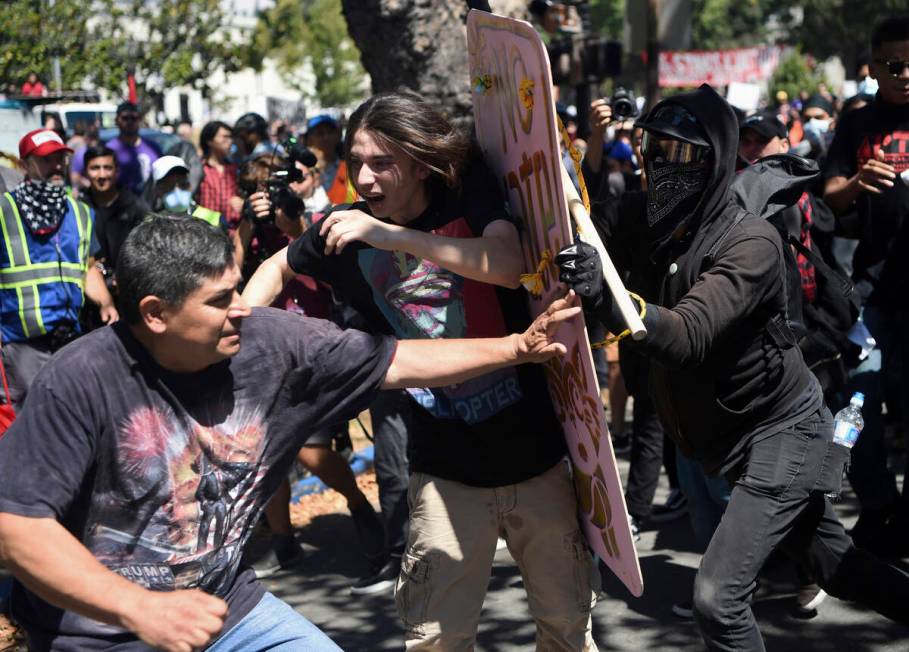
{"x":167,"y":164}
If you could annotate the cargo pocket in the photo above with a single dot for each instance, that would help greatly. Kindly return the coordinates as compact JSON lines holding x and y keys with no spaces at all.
{"x":413,"y":591}
{"x":584,"y":572}
{"x":830,"y":476}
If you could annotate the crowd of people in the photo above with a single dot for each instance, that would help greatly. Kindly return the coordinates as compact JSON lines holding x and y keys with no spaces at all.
{"x":764,"y":253}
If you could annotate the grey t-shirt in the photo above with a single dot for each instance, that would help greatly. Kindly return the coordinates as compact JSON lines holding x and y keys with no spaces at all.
{"x":161,"y":475}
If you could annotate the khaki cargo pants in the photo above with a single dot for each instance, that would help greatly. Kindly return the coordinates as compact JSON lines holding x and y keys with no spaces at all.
{"x":450,"y":550}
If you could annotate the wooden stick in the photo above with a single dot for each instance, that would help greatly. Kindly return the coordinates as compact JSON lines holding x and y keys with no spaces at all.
{"x":588,"y":233}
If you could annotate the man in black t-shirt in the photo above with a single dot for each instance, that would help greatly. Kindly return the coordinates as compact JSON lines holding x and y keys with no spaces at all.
{"x":124,"y":506}
{"x":868,"y":155}
{"x":430,"y":253}
{"x":117,"y":210}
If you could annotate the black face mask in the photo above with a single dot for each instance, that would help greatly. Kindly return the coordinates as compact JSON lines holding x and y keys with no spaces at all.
{"x":677,"y":175}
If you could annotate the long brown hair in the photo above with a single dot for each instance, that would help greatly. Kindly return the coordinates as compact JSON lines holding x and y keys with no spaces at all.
{"x":407,"y":121}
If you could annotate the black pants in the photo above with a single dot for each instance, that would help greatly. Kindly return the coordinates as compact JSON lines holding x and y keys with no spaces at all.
{"x":646,"y":457}
{"x":390,"y":424}
{"x":778,"y":501}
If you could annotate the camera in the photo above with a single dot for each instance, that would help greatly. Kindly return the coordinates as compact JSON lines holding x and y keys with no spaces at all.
{"x":624,"y":104}
{"x":280,"y":178}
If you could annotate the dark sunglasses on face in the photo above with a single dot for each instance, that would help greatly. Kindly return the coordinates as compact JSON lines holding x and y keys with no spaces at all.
{"x":668,"y":150}
{"x":895,"y":68}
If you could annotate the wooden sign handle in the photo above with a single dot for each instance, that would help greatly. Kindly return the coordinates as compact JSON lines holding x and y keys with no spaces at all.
{"x":588,"y":233}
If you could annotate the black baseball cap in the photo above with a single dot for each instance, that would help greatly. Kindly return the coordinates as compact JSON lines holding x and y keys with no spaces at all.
{"x":127,"y":107}
{"x":765,"y":125}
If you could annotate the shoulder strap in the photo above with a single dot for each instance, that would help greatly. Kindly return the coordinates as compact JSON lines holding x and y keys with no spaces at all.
{"x":844,"y":284}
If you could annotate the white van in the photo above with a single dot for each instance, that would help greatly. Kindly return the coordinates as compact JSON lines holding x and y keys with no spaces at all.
{"x":71,"y":114}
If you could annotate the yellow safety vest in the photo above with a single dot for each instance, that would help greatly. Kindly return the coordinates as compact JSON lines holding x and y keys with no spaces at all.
{"x":207,"y":215}
{"x":35,"y":271}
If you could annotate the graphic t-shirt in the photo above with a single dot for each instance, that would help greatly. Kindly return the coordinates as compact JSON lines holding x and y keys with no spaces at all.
{"x":161,"y":475}
{"x":134,"y":162}
{"x":494,"y":430}
{"x":879,"y":269}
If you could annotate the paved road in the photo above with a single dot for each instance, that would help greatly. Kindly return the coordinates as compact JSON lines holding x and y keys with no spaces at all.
{"x":621,"y":622}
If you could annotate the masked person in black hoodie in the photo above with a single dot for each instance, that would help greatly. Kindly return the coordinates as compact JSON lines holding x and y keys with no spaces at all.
{"x":726,"y":376}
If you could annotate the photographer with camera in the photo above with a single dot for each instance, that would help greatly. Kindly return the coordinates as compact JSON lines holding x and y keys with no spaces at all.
{"x":272,"y":218}
{"x":274,"y":211}
{"x":623,"y":106}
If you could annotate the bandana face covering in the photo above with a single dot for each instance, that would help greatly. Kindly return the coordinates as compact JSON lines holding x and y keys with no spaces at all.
{"x":42,"y":205}
{"x":673,"y":192}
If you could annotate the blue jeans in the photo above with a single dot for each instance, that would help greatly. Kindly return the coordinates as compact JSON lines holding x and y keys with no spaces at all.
{"x":869,"y":476}
{"x":707,"y":497}
{"x":273,"y":625}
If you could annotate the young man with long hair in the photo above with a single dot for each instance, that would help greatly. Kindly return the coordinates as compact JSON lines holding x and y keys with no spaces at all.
{"x":430,"y":252}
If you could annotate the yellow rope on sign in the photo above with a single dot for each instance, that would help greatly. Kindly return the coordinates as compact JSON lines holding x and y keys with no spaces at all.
{"x":576,"y":159}
{"x":625,"y":333}
{"x":533,"y":282}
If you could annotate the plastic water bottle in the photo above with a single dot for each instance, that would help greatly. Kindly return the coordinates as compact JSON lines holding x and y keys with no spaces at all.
{"x":848,"y":422}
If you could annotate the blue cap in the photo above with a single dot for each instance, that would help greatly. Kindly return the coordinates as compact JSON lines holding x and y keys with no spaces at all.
{"x":619,"y":150}
{"x":315,"y":121}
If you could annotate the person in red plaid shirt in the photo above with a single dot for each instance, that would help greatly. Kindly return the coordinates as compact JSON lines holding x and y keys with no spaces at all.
{"x":218,"y":190}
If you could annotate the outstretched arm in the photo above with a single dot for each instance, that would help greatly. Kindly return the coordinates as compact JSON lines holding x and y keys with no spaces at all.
{"x":52,"y":563}
{"x":495,"y":257}
{"x":435,"y":363}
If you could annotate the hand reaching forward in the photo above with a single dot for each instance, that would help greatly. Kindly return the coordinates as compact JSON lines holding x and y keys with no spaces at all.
{"x":176,"y":621}
{"x":537,"y":343}
{"x":341,"y":228}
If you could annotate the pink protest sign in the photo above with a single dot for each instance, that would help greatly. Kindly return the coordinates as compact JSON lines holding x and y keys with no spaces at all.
{"x":516,"y":127}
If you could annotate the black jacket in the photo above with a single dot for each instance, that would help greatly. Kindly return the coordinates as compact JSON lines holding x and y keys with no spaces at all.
{"x":113,"y":223}
{"x":722,"y":362}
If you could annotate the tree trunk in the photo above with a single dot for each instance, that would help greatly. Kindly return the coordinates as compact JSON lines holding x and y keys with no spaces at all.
{"x":420,"y":45}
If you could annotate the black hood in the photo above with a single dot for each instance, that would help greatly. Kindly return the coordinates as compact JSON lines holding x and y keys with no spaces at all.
{"x":718,"y":120}
{"x":773,"y":183}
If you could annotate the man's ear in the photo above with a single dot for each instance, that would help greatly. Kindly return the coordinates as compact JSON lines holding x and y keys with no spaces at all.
{"x":153,"y":314}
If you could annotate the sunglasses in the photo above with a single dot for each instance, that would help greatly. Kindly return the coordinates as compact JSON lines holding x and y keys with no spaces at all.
{"x":668,"y":150}
{"x":895,"y":68}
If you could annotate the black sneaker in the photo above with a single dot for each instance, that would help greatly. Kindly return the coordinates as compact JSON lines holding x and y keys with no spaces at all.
{"x":808,"y":599}
{"x":378,"y":581}
{"x":675,"y":507}
{"x":280,"y":553}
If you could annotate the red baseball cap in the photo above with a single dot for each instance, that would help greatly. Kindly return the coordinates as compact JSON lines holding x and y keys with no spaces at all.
{"x":41,"y":142}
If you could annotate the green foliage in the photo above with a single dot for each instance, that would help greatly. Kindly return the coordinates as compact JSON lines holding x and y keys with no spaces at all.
{"x":793,"y":75}
{"x":166,"y":43}
{"x":842,"y":27}
{"x":295,"y":32}
{"x":608,"y":17}
{"x":720,"y":24}
{"x":34,"y":32}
